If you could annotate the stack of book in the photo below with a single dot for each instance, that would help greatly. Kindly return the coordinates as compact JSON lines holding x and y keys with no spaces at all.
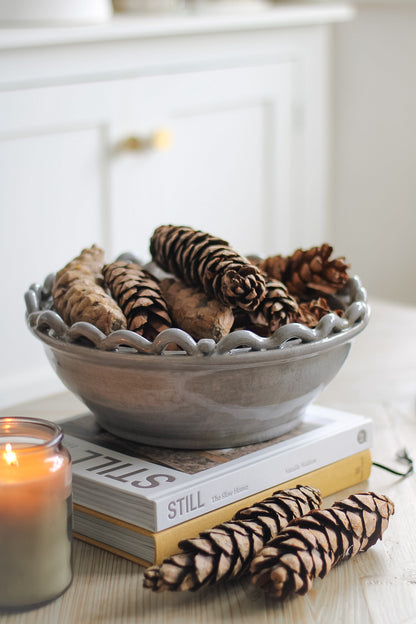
{"x":139,"y":501}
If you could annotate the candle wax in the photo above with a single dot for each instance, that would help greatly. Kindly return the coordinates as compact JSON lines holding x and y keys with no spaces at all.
{"x":35,"y":525}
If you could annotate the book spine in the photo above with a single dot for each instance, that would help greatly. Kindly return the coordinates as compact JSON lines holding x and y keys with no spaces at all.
{"x":278,"y":468}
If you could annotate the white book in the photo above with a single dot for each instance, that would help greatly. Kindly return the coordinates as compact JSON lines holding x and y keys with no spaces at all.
{"x":156,"y":488}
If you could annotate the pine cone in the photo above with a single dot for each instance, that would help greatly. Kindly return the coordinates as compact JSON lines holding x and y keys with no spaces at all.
{"x":311,"y":312}
{"x":206,"y":262}
{"x":309,"y":272}
{"x":226,"y":551}
{"x":193,"y":312}
{"x":139,"y":296}
{"x":277,"y":308}
{"x":78,"y":293}
{"x":275,"y":267}
{"x":310,"y":546}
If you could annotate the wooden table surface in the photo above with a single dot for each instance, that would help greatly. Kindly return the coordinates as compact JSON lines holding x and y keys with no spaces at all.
{"x":377,"y":587}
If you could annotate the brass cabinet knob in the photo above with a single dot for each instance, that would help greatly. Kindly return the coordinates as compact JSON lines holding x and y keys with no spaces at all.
{"x":160,"y":140}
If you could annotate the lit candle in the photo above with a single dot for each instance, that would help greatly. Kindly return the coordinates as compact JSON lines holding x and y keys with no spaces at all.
{"x":35,"y":513}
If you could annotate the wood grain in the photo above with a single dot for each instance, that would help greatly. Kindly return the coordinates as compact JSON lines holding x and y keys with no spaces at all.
{"x":377,"y":587}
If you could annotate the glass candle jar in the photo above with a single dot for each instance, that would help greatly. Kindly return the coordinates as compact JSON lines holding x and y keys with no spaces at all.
{"x":35,"y":513}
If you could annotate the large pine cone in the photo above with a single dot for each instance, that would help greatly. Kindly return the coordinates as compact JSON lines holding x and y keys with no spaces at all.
{"x":139,"y":296}
{"x":78,"y":293}
{"x":226,"y":551}
{"x":309,"y":547}
{"x":308,"y":273}
{"x":193,"y":312}
{"x":203,"y":261}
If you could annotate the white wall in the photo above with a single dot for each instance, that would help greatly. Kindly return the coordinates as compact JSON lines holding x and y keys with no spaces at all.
{"x":373,"y":216}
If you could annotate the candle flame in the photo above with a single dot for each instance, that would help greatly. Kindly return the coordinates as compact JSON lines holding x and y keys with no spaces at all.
{"x":10,"y":455}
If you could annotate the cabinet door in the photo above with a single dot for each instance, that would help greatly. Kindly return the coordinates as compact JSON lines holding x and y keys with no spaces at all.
{"x":52,"y":204}
{"x":228,"y":168}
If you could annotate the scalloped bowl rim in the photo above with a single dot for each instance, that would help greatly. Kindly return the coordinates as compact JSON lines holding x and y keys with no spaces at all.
{"x":293,"y":340}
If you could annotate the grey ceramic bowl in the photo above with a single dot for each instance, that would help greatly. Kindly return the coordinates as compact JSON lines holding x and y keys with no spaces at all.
{"x":241,"y":390}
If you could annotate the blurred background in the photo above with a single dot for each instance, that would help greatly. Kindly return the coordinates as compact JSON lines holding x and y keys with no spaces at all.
{"x":275,"y":125}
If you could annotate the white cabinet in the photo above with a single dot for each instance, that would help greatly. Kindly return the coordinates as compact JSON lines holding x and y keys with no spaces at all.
{"x":240,"y":105}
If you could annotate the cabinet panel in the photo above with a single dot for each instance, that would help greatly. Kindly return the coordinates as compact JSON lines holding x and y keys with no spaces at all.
{"x":51,"y":203}
{"x":217,"y":179}
{"x":228,"y":170}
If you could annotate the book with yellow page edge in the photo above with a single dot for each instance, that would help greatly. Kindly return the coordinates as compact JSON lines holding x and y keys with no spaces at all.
{"x":158,"y":488}
{"x":146,"y":547}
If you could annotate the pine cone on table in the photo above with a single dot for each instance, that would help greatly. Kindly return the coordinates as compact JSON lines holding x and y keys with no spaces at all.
{"x":204,"y":261}
{"x":226,"y":551}
{"x":308,"y":272}
{"x":78,"y":293}
{"x":309,"y":547}
{"x":139,"y":296}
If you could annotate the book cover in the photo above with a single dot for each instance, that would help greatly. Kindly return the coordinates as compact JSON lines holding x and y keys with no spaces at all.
{"x":144,"y":547}
{"x":157,"y":488}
